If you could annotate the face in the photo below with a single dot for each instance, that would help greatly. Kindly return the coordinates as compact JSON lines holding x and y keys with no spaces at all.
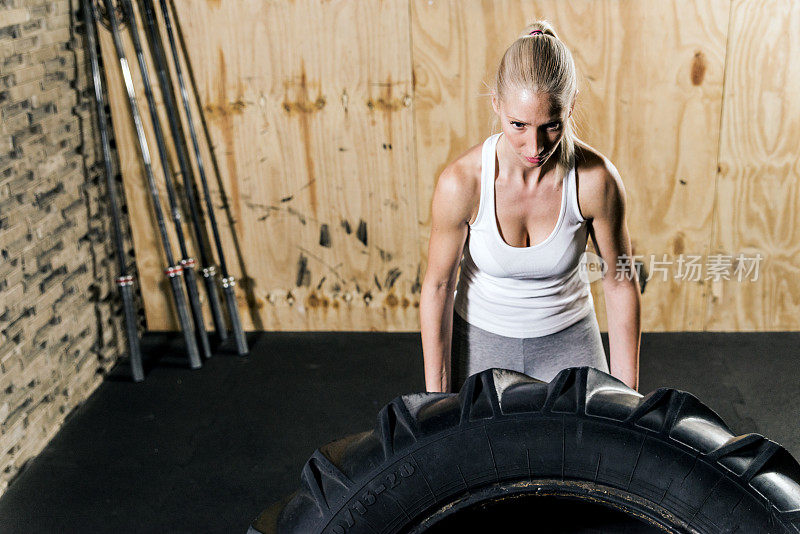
{"x":532,"y":123}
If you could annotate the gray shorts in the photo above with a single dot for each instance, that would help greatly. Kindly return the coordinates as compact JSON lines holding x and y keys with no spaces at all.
{"x":475,"y":350}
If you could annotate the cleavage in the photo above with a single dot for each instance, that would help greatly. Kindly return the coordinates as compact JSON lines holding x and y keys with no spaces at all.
{"x":523,"y":219}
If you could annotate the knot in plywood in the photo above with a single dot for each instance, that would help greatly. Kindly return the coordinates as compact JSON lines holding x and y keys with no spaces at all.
{"x":389,"y":104}
{"x":304,"y":106}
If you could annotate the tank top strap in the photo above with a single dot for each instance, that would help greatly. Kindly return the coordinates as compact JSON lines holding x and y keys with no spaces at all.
{"x":572,"y":195}
{"x":486,"y":202}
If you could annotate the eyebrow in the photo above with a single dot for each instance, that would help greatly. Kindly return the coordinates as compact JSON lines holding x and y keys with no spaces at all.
{"x":552,"y":120}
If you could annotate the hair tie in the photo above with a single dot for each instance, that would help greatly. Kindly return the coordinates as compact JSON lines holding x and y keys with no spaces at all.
{"x":534,"y":32}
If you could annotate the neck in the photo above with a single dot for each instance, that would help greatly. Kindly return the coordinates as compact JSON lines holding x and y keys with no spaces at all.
{"x":516,"y":169}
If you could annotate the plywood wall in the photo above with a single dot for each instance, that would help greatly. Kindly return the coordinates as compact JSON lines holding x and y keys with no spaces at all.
{"x":757,"y":202}
{"x":330,"y":122}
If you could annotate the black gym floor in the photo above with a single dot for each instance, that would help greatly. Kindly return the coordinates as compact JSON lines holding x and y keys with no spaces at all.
{"x":207,"y":450}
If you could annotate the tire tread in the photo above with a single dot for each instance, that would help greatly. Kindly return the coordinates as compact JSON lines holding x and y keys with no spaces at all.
{"x":672,"y":417}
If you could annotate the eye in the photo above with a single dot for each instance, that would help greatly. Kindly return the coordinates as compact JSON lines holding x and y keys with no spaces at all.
{"x":554,"y":127}
{"x":517,"y":124}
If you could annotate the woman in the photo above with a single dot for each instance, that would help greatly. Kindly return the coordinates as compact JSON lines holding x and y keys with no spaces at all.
{"x":520,"y":207}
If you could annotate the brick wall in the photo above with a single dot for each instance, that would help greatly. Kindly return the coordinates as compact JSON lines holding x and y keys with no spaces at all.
{"x":60,"y":315}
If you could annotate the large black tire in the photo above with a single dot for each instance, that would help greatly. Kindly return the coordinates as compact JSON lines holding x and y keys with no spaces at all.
{"x":664,"y":457}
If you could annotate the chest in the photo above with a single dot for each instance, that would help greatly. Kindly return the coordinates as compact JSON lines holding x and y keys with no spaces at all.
{"x":527,"y":217}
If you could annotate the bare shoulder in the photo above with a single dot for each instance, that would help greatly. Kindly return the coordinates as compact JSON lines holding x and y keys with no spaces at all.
{"x":459,"y":184}
{"x":600,"y":188}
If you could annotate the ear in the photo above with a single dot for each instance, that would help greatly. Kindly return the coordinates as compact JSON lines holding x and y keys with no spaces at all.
{"x":495,"y":104}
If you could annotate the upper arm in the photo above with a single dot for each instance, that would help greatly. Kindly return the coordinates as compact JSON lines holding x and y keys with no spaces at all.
{"x":609,"y":228}
{"x":452,"y":206}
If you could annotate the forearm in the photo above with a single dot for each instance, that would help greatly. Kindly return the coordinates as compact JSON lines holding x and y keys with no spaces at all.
{"x":436,"y":326}
{"x":623,"y":309}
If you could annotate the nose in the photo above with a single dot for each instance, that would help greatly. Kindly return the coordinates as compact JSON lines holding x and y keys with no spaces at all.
{"x":537,"y":142}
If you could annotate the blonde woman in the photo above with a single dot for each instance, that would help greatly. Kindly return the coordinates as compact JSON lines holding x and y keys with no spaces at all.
{"x":515,"y":212}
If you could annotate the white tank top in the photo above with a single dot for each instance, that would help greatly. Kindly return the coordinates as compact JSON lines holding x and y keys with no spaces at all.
{"x":522,"y":291}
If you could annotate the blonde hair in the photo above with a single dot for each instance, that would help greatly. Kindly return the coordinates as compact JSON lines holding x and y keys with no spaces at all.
{"x":542,"y":63}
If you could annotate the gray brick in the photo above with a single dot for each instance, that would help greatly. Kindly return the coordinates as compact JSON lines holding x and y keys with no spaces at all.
{"x":60,"y":35}
{"x":25,"y":44}
{"x":14,"y":16}
{"x":58,"y":21}
{"x":14,"y":61}
{"x":6,"y":48}
{"x":13,"y":123}
{"x":16,"y":108}
{"x":44,"y":53}
{"x":54,"y":230}
{"x":28,"y":69}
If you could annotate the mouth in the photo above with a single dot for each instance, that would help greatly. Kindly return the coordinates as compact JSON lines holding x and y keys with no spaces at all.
{"x":537,"y":159}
